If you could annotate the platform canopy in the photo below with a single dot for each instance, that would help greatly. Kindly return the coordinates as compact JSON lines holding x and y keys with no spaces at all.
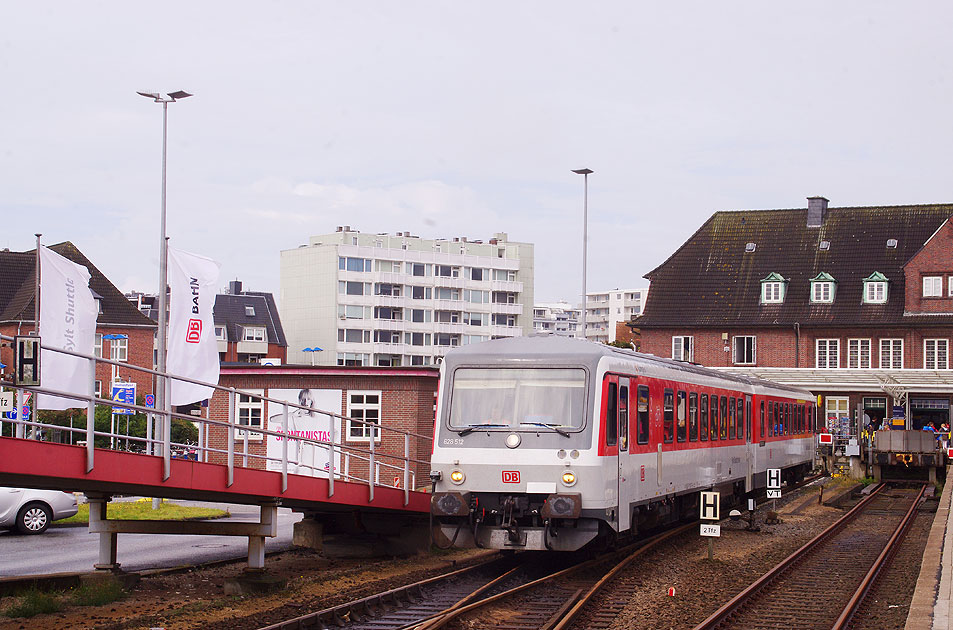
{"x":897,"y":383}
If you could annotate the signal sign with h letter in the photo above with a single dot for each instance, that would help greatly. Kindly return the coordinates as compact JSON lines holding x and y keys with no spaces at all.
{"x":774,"y":478}
{"x":710,"y":506}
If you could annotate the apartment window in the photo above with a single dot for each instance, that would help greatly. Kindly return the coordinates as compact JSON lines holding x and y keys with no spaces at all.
{"x":502,"y":319}
{"x":447,"y":317}
{"x":253,"y":333}
{"x":446,"y":339}
{"x":354,"y":335}
{"x":772,"y":289}
{"x":119,"y":349}
{"x":891,"y":354}
{"x":419,"y":315}
{"x":421,"y":293}
{"x":936,"y":354}
{"x":875,"y":288}
{"x":99,"y":389}
{"x":468,"y":339}
{"x":388,"y":266}
{"x":933,"y":286}
{"x":388,"y":360}
{"x":446,"y":271}
{"x":822,"y":291}
{"x":417,"y":339}
{"x":364,"y":416}
{"x":858,"y":353}
{"x":354,"y":288}
{"x":249,"y":409}
{"x":683,"y":348}
{"x":388,"y":312}
{"x":386,"y":336}
{"x":475,"y":319}
{"x":354,"y":264}
{"x":476,"y":297}
{"x":249,"y":311}
{"x":828,"y":353}
{"x":744,"y":350}
{"x":504,"y":275}
{"x":479,"y":274}
{"x":353,"y":311}
{"x":98,"y":346}
{"x":416,"y":359}
{"x":220,"y":333}
{"x":418,"y":269}
{"x":384,"y":288}
{"x":950,"y":292}
{"x":446,"y":293}
{"x":353,"y":359}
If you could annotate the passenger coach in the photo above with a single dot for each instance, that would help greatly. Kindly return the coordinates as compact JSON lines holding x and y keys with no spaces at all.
{"x":548,"y":442}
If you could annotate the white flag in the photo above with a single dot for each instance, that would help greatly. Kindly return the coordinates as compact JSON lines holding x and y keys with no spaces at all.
{"x":67,"y":321}
{"x":193,"y":352}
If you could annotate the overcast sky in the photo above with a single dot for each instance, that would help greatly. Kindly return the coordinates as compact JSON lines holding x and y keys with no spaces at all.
{"x":460,"y":119}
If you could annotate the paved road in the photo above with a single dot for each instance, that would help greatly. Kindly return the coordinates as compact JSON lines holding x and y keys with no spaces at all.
{"x":66,"y":549}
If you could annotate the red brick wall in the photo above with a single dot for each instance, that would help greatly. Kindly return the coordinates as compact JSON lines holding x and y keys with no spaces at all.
{"x":776,"y":347}
{"x":407,"y":404}
{"x":935,"y":259}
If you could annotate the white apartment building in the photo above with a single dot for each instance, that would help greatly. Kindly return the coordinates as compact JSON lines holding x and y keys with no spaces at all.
{"x":396,"y":300}
{"x":606,"y":309}
{"x":560,"y":318}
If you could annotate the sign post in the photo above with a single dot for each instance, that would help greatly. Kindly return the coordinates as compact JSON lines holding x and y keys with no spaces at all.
{"x":710,"y":511}
{"x":774,"y":487}
{"x":122,"y":393}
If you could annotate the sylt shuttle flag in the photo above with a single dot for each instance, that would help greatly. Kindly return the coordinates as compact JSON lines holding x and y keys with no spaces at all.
{"x":193,"y":352}
{"x":68,"y":315}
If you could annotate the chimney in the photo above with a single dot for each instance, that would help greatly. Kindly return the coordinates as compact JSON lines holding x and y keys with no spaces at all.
{"x":816,"y":211}
{"x":235,"y":287}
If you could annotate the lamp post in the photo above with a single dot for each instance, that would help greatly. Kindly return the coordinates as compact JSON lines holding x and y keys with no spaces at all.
{"x":312,"y":351}
{"x":170,"y":97}
{"x":585,"y":227}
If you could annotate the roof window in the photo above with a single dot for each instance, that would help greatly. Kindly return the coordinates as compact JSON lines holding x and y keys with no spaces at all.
{"x":892,"y":243}
{"x":750,"y":247}
{"x":824,"y":245}
{"x":249,"y":311}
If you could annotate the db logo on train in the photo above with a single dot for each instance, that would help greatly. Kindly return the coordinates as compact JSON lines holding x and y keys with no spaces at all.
{"x":511,"y":476}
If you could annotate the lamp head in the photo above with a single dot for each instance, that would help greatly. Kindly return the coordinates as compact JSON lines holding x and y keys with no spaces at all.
{"x":582,"y":171}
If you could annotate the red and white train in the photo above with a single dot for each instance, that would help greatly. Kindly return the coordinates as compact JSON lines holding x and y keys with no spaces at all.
{"x":547,"y":442}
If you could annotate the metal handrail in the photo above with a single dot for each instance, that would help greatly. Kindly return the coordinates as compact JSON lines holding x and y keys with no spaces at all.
{"x":231,"y":425}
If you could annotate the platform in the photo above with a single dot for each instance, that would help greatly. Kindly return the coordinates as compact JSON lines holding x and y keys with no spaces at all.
{"x":931,"y":606}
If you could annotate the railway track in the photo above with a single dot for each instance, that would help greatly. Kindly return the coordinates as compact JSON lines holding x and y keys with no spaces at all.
{"x":822,"y":584}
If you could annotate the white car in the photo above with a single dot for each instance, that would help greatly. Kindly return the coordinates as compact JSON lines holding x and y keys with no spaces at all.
{"x":31,"y":511}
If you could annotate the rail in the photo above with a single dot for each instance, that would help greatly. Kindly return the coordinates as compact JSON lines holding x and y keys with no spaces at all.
{"x":394,"y":464}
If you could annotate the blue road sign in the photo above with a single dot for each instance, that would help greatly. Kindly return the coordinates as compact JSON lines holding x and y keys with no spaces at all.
{"x":26,"y":412}
{"x":150,"y":400}
{"x":124,"y":393}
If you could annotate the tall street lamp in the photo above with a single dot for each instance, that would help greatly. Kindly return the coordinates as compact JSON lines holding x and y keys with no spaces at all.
{"x":585,"y":226}
{"x":170,"y":97}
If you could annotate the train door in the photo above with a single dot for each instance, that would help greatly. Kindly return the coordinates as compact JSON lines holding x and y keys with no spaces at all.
{"x":749,"y":452}
{"x":626,"y":465}
{"x":610,"y":446}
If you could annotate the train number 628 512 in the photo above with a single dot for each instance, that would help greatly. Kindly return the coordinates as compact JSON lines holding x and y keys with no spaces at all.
{"x":452,"y":441}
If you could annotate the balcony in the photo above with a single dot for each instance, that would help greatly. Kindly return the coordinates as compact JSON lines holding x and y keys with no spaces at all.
{"x":252,"y":347}
{"x":509,"y":309}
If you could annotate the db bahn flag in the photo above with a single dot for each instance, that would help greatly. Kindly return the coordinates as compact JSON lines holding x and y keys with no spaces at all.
{"x":193,"y":352}
{"x":67,"y":321}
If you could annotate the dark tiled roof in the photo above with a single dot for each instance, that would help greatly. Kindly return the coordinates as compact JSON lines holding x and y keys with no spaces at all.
{"x":229,"y":311}
{"x":18,"y":277}
{"x":712,"y":281}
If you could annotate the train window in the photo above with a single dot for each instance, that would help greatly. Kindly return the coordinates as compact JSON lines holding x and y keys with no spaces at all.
{"x":681,"y":417}
{"x":724,"y":417}
{"x":612,"y":415}
{"x":772,"y":418}
{"x":693,"y":417}
{"x":713,"y":432}
{"x":704,"y":418}
{"x":732,"y":419}
{"x":668,"y":411}
{"x":762,"y":434}
{"x":787,"y":419}
{"x":623,"y":417}
{"x":642,"y":427}
{"x":748,"y":419}
{"x":741,"y":418}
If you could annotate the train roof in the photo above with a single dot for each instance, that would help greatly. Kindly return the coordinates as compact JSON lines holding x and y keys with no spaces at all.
{"x":537,"y":348}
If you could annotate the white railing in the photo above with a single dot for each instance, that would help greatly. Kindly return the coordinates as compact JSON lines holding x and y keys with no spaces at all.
{"x":238,"y":452}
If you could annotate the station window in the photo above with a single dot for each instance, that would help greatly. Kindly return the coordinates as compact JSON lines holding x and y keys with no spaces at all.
{"x":703,"y":431}
{"x":693,"y":417}
{"x":642,"y":428}
{"x":681,"y":417}
{"x":668,"y":416}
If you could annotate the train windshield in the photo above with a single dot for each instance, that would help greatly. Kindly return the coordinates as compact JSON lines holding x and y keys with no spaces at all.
{"x":514,"y":398}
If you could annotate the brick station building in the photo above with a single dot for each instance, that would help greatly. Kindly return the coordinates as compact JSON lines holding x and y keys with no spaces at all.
{"x":854,"y":304}
{"x":401,"y":398}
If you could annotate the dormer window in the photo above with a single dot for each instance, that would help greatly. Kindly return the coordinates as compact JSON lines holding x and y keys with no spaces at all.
{"x":875,"y":288}
{"x":773,"y":289}
{"x":824,"y":245}
{"x":822,"y":288}
{"x":249,"y":311}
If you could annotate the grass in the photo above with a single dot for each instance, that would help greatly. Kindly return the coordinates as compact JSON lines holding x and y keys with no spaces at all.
{"x":141,"y":510}
{"x":98,"y":593}
{"x":34,"y":602}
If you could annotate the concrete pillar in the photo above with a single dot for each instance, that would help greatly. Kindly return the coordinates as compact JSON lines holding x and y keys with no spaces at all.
{"x":108,"y":541}
{"x":309,"y":533}
{"x":268,"y":518}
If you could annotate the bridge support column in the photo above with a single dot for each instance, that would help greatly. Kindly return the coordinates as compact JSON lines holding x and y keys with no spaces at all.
{"x":256,"y":544}
{"x":108,"y":541}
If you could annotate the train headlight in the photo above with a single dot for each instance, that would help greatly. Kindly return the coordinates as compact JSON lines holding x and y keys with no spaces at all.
{"x":457,"y":476}
{"x":569,"y":478}
{"x":513,"y":440}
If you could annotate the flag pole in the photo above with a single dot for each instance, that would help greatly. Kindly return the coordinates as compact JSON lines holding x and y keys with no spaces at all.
{"x":36,"y":290}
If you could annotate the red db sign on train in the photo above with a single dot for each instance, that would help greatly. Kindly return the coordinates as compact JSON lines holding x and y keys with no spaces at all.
{"x":825,"y":438}
{"x":511,"y":476}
